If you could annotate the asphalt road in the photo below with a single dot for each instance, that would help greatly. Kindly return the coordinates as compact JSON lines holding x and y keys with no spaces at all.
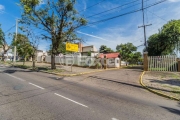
{"x":109,"y":95}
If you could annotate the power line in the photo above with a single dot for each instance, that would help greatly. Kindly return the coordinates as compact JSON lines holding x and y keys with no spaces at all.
{"x":140,"y":45}
{"x":91,"y":6}
{"x":128,"y":12}
{"x":123,"y":14}
{"x":114,"y":8}
{"x":10,"y":29}
{"x":157,"y":16}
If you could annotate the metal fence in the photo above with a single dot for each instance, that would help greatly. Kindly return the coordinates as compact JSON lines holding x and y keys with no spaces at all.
{"x":163,"y":63}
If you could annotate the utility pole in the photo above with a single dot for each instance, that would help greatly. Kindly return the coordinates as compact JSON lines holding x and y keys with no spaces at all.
{"x":14,"y":60}
{"x":144,"y":26}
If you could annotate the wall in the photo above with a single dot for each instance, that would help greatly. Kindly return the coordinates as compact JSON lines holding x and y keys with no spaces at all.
{"x":94,"y":54}
{"x":81,"y":61}
{"x":87,"y":49}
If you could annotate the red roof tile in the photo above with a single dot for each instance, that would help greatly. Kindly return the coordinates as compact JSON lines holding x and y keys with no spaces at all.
{"x":109,"y":55}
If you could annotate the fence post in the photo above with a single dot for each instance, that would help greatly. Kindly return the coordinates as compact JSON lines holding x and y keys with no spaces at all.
{"x":105,"y":62}
{"x":145,"y":61}
{"x":119,"y":62}
{"x":178,"y":65}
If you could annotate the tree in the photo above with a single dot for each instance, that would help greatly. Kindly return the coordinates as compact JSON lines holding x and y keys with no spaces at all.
{"x":126,"y":51}
{"x":89,"y":53}
{"x":136,"y":57}
{"x":3,"y":43}
{"x":105,"y":49}
{"x":59,"y":19}
{"x":34,"y":42}
{"x":61,"y":49}
{"x":166,"y":41}
{"x":24,"y":48}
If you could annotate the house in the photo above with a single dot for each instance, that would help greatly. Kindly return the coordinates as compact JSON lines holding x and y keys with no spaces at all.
{"x":1,"y":51}
{"x":8,"y":55}
{"x":109,"y":55}
{"x":113,"y":59}
{"x":41,"y":55}
{"x":87,"y":50}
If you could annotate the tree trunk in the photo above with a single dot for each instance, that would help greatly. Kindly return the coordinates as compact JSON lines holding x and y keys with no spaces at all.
{"x":3,"y":57}
{"x":53,"y":66}
{"x":33,"y":59}
{"x":126,"y":63}
{"x":24,"y":62}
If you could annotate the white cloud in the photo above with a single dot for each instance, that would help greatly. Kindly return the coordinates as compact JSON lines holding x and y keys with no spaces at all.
{"x":174,"y":0}
{"x":2,"y":8}
{"x":112,"y":37}
{"x":94,"y":36}
{"x":44,"y":47}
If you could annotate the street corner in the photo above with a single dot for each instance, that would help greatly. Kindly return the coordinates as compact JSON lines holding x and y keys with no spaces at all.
{"x":166,"y":84}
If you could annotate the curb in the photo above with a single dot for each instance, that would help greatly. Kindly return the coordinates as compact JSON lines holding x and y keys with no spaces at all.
{"x":83,"y":73}
{"x":154,"y":91}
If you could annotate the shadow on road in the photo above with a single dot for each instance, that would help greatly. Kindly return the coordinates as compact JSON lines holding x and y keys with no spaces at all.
{"x":110,"y":80}
{"x":13,"y":71}
{"x":56,"y":78}
{"x":172,"y":110}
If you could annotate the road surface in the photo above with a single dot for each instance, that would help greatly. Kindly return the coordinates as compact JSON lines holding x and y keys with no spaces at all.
{"x":109,"y":95}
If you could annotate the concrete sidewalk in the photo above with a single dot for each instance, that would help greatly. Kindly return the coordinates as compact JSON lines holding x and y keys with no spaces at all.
{"x":63,"y":70}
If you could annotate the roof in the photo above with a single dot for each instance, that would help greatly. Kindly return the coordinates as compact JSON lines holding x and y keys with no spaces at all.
{"x":109,"y":55}
{"x":39,"y":50}
{"x":88,"y":46}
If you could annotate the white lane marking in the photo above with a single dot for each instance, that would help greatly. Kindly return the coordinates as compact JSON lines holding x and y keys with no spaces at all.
{"x":114,"y":119}
{"x":71,"y":100}
{"x":14,"y":77}
{"x":36,"y":86}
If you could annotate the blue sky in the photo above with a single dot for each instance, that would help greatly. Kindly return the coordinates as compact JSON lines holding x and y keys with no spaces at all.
{"x":110,"y":33}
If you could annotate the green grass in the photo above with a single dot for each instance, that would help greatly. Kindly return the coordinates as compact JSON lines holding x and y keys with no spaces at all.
{"x":158,"y":69}
{"x":22,"y":66}
{"x":173,"y":89}
{"x":55,"y":71}
{"x":6,"y":62}
{"x":175,"y":76}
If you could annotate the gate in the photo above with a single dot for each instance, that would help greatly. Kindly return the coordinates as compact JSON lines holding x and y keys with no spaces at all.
{"x":163,"y":63}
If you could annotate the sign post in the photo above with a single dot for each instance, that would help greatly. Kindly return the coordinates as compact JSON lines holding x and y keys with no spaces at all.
{"x":73,"y":48}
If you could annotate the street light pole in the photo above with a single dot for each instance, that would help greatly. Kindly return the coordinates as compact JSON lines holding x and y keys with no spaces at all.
{"x":14,"y":60}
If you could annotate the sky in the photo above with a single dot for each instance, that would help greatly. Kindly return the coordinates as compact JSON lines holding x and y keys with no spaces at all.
{"x":111,"y":33}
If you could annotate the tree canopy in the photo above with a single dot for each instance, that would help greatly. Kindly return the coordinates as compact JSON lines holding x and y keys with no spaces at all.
{"x":58,"y":19}
{"x":166,"y":41}
{"x":126,"y":50}
{"x":105,"y":49}
{"x":3,"y":43}
{"x":24,"y":48}
{"x":2,"y":36}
